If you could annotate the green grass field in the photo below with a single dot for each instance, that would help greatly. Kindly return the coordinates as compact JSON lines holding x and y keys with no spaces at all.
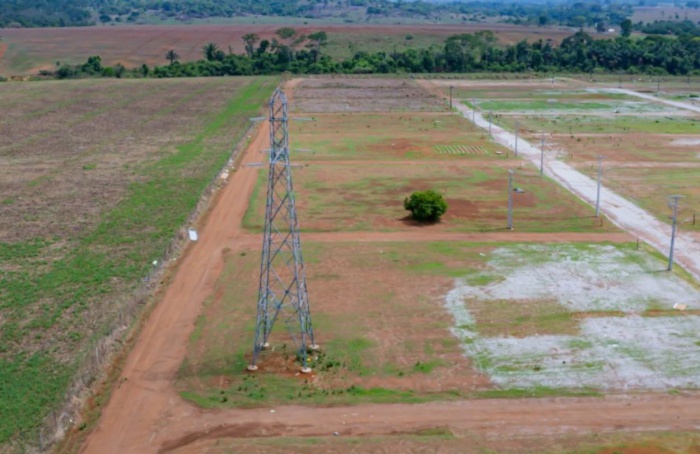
{"x":613,"y":124}
{"x":59,"y":293}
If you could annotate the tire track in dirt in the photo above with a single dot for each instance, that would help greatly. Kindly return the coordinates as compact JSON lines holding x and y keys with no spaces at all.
{"x":555,"y":417}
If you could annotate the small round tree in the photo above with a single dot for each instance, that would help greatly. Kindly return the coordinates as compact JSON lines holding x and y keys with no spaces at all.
{"x":426,"y":206}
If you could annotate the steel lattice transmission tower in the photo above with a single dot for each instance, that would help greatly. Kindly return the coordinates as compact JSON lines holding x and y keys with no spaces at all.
{"x":282,"y":290}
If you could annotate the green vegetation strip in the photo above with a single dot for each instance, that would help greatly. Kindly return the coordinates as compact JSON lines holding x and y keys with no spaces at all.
{"x":119,"y":250}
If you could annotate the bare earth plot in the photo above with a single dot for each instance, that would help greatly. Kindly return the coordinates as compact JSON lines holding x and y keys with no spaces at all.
{"x":97,"y":179}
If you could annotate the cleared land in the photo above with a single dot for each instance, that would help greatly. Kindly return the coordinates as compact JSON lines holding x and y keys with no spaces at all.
{"x":29,"y":50}
{"x":97,"y":179}
{"x":416,"y":322}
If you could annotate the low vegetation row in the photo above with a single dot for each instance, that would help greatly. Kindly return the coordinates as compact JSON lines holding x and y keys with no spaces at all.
{"x":480,"y":51}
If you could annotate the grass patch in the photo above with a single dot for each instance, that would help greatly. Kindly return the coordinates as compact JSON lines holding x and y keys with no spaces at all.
{"x":536,"y":392}
{"x":620,"y":124}
{"x":521,"y":318}
{"x":367,"y":197}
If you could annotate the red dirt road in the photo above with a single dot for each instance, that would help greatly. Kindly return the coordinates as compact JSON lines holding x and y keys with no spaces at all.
{"x":146,"y":415}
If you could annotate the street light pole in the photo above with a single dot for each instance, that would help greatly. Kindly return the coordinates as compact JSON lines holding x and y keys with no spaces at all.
{"x":510,"y":199}
{"x":600,"y":174}
{"x":450,"y":97}
{"x":542,"y":155}
{"x":673,"y":203}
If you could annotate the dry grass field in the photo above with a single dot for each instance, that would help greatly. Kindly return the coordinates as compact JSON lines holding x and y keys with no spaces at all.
{"x":98,"y":177}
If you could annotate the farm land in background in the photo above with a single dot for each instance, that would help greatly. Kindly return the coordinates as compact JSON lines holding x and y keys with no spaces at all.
{"x":98,"y":178}
{"x":30,"y":50}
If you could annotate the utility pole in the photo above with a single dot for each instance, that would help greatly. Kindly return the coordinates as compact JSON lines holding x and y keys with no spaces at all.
{"x":474,"y":113}
{"x":542,"y":155}
{"x":450,"y":97}
{"x":517,"y":126}
{"x":673,"y":203}
{"x":510,"y":199}
{"x":600,"y":174}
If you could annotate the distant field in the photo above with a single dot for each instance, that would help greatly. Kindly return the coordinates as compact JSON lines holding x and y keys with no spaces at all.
{"x":29,"y":50}
{"x":664,"y":12}
{"x":97,"y":178}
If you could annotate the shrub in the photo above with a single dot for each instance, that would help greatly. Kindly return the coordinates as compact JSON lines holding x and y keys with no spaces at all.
{"x":425,"y":206}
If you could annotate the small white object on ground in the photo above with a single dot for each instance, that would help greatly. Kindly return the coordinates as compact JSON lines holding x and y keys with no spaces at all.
{"x":193,"y":234}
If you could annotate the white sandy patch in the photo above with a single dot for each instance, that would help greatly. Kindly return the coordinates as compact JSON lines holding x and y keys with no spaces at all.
{"x":584,"y":278}
{"x":609,"y":352}
{"x":685,"y":142}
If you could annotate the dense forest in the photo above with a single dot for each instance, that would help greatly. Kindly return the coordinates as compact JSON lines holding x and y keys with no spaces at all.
{"x":59,"y":13}
{"x":481,"y":51}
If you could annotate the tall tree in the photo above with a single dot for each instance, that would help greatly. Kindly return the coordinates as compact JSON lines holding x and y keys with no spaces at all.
{"x":626,"y":28}
{"x":210,"y":51}
{"x":316,"y":41}
{"x":172,"y":56}
{"x":250,"y":40}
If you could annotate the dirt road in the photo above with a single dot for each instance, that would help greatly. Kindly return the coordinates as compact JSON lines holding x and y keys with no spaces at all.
{"x":490,"y":418}
{"x":146,"y":415}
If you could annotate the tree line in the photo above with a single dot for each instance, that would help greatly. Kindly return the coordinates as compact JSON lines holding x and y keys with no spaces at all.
{"x":60,"y":13}
{"x":292,"y":52}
